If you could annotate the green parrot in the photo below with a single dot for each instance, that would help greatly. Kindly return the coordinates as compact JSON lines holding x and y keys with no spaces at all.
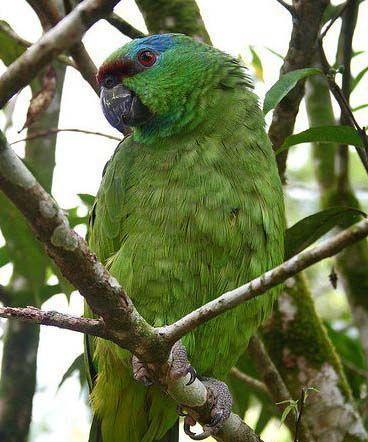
{"x":190,"y":206}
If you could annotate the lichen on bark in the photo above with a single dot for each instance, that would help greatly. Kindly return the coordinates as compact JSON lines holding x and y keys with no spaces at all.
{"x":304,"y":355}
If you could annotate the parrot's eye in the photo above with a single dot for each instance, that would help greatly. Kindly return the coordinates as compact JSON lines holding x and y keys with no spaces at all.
{"x":109,"y":82}
{"x":146,"y":58}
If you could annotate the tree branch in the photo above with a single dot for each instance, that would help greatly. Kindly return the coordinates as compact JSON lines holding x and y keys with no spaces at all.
{"x":26,"y":44}
{"x":302,"y":46}
{"x":49,"y":16}
{"x":288,"y":7}
{"x":124,"y":27}
{"x":54,"y":130}
{"x":270,"y":279}
{"x":274,"y":383}
{"x":253,"y":383}
{"x":63,"y":36}
{"x":345,"y":107}
{"x":34,"y":315}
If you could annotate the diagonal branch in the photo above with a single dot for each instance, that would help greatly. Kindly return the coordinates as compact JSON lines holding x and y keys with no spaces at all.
{"x":124,"y":27}
{"x":270,"y":279}
{"x":63,"y":36}
{"x":49,"y":16}
{"x":6,"y":29}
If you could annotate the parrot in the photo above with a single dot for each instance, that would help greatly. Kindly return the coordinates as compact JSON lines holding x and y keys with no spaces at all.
{"x":190,"y":206}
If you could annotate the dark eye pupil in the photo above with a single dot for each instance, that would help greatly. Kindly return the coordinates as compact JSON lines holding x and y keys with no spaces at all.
{"x":109,"y":82}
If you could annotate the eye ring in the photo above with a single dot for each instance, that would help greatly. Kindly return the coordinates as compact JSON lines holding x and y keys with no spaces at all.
{"x":146,"y":58}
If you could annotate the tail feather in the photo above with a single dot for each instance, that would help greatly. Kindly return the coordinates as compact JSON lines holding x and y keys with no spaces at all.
{"x":172,"y":435}
{"x":95,"y":434}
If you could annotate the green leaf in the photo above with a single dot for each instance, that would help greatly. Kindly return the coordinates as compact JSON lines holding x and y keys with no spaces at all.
{"x":355,"y":81}
{"x":329,"y":134}
{"x":4,"y":256}
{"x":87,"y":199}
{"x":10,"y":49}
{"x":284,"y":85}
{"x":76,"y":365}
{"x":308,"y":230}
{"x":293,"y":406}
{"x":256,"y":64}
{"x":360,"y":107}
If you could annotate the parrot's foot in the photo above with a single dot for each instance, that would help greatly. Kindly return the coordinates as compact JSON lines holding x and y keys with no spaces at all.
{"x":221,"y":401}
{"x":179,"y":364}
{"x":178,"y":367}
{"x":140,"y":372}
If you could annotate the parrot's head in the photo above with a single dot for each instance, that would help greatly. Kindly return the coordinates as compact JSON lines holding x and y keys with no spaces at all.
{"x":163,"y":84}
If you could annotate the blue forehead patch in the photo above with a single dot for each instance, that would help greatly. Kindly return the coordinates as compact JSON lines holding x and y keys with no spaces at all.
{"x":158,"y":43}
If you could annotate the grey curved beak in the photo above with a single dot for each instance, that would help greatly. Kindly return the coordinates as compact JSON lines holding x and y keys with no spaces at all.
{"x":116,"y":106}
{"x":123,"y":108}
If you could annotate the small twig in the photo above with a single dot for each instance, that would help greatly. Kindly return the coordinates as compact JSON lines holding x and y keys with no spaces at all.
{"x":288,"y":7}
{"x":52,"y":131}
{"x":334,"y":19}
{"x":254,"y":383}
{"x":95,"y":327}
{"x":300,"y":414}
{"x":344,"y":106}
{"x":124,"y":27}
{"x":274,"y":383}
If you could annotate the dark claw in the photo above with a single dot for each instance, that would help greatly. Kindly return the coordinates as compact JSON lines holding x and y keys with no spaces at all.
{"x":180,"y":412}
{"x":189,"y":422}
{"x":193,"y":375}
{"x":187,"y":429}
{"x":201,"y":436}
{"x":216,"y":419}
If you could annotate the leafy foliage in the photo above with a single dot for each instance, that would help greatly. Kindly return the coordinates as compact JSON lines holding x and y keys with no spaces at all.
{"x":9,"y":48}
{"x":330,"y":134}
{"x":76,"y":366}
{"x":284,"y":85}
{"x":305,"y":232}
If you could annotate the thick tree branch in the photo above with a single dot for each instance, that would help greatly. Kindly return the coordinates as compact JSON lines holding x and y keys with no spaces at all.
{"x":302,"y":46}
{"x":63,"y":36}
{"x":6,"y":29}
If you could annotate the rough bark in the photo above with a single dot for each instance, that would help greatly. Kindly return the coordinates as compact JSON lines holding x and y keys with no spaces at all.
{"x":306,"y":26}
{"x":303,"y":354}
